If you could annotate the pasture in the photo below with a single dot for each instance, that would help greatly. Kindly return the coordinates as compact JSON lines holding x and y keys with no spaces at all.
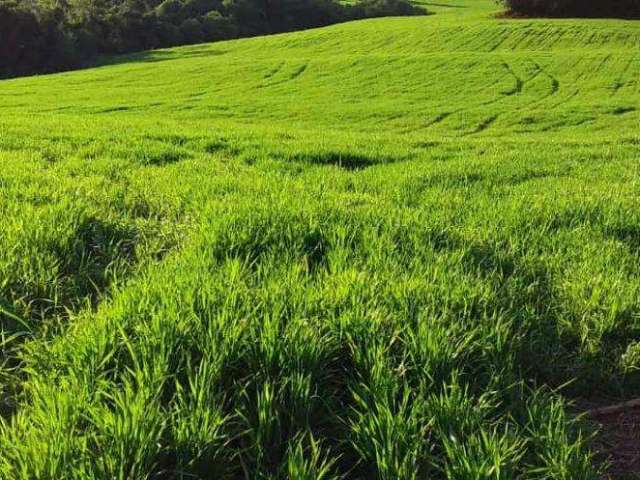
{"x":398,"y":248}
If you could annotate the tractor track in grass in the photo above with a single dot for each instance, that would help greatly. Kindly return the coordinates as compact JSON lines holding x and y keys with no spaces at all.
{"x":283,"y":74}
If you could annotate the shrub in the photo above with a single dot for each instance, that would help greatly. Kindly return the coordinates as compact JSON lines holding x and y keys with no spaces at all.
{"x":386,"y":8}
{"x":577,"y":8}
{"x":217,"y":27}
{"x":201,"y":7}
{"x":192,"y":30}
{"x":32,"y":41}
{"x":19,"y":34}
{"x":170,"y":10}
{"x":168,"y":34}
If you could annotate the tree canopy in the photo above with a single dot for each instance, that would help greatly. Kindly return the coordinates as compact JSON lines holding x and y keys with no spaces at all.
{"x":576,"y":8}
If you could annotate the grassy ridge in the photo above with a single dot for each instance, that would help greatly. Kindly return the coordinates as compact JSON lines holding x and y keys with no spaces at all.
{"x":368,"y":251}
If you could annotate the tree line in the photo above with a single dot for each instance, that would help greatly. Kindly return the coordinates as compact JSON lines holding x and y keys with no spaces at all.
{"x":38,"y":36}
{"x":576,"y":8}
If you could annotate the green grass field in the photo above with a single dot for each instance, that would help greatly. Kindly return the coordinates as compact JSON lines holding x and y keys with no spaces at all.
{"x":389,"y":249}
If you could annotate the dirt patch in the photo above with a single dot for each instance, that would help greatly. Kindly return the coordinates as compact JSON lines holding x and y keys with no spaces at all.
{"x":617,"y":442}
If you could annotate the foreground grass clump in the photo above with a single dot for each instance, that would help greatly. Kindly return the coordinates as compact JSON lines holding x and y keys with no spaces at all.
{"x":209,"y":270}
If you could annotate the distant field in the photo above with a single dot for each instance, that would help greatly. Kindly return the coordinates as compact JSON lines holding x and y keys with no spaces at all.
{"x":390,"y":249}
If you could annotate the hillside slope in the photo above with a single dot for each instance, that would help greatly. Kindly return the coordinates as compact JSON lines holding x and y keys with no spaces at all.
{"x":391,"y":249}
{"x":446,"y":74}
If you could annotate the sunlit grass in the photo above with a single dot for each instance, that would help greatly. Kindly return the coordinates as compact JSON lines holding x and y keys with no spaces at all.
{"x":388,"y":249}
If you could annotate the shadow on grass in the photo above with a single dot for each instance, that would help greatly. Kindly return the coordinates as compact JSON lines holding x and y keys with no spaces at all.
{"x":344,"y":160}
{"x":162,"y":55}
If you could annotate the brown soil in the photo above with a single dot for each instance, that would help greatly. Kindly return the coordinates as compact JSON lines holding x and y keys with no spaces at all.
{"x":617,"y":443}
